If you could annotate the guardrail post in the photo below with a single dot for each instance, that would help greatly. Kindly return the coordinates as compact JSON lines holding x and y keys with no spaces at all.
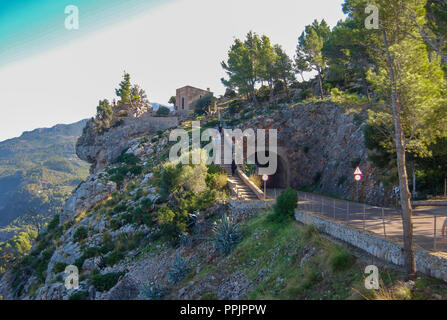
{"x":347,"y":211}
{"x":311,"y":203}
{"x":334,"y":208}
{"x":364,"y":216}
{"x":434,"y":238}
{"x":322,"y":204}
{"x":383,"y":222}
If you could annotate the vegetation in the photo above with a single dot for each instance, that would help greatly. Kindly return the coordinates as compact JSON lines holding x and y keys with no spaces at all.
{"x":178,"y":270}
{"x":285,"y":205}
{"x":226,"y":235}
{"x":163,"y":111}
{"x":106,"y":281}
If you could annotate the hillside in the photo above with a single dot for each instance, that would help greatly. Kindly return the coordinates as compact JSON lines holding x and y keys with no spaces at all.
{"x":38,"y":170}
{"x":140,"y":227}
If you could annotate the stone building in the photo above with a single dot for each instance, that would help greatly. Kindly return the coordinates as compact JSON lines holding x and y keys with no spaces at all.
{"x":187,"y":96}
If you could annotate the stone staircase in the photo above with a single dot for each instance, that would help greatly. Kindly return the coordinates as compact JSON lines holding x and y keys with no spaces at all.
{"x":241,"y":191}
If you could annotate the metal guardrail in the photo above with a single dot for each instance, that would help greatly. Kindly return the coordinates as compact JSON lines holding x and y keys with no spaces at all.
{"x":427,"y":227}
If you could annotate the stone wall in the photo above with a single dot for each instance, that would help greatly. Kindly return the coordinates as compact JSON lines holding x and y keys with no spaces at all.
{"x":242,"y":210}
{"x":385,"y":249}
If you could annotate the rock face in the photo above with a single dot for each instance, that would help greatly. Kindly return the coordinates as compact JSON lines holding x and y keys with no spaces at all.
{"x":319,"y":146}
{"x":86,"y":196}
{"x":102,"y":149}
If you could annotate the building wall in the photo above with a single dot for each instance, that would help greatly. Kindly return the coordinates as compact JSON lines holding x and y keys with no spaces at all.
{"x":187,"y":96}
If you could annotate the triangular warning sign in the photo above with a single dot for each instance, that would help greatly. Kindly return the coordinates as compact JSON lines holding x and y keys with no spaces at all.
{"x":358,"y":171}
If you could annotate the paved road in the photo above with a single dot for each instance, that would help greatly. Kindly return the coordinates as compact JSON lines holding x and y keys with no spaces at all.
{"x":370,"y":218}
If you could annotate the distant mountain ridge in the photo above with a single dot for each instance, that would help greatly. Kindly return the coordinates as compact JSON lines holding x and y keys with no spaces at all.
{"x":38,"y":170}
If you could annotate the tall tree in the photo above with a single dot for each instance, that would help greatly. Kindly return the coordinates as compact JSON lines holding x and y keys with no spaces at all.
{"x":283,"y":67}
{"x":301,"y":65}
{"x":411,"y":86}
{"x":310,"y":45}
{"x":138,"y":96}
{"x":243,"y":66}
{"x":124,"y":90}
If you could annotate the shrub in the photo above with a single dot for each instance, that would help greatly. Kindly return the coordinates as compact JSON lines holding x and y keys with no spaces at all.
{"x":340,"y":259}
{"x":162,"y":111}
{"x":113,"y":258}
{"x":193,"y":178}
{"x":286,"y":204}
{"x":165,"y":215}
{"x":256,"y":180}
{"x":235,"y":106}
{"x":137,"y":170}
{"x":80,"y":234}
{"x":80,"y":295}
{"x":203,"y":104}
{"x":217,"y":181}
{"x":154,"y":291}
{"x":127,"y":158}
{"x":59,"y":267}
{"x":54,"y":223}
{"x":306,"y":94}
{"x":226,"y":235}
{"x":178,"y":269}
{"x":106,"y":281}
{"x":263,"y":94}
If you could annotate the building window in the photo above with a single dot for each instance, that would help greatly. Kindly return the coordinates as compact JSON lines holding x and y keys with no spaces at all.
{"x":183,"y":102}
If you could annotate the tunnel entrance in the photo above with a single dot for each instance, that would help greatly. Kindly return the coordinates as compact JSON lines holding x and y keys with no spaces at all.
{"x":279,"y":180}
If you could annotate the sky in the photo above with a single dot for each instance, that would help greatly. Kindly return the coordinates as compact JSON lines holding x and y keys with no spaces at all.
{"x":51,"y":75}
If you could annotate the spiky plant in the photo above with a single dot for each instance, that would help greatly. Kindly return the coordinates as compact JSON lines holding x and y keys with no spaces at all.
{"x":154,"y":290}
{"x":179,"y":268}
{"x":226,"y":235}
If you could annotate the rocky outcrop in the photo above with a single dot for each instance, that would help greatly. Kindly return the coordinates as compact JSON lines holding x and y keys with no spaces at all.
{"x":101,"y":149}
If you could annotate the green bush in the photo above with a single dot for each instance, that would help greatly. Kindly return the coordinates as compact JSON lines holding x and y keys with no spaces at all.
{"x":286,"y":204}
{"x":106,"y":281}
{"x":127,"y":158}
{"x":203,"y":104}
{"x":80,"y":234}
{"x":54,"y":223}
{"x":263,"y":94}
{"x":340,"y":259}
{"x":235,"y":106}
{"x":59,"y":267}
{"x":306,"y":94}
{"x":113,"y":258}
{"x":137,"y":170}
{"x":162,"y":111}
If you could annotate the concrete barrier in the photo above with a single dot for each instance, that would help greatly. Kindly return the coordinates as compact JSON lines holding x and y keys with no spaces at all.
{"x":426,"y":262}
{"x":429,"y":203}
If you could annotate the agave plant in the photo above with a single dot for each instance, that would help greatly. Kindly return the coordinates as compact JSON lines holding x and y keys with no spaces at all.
{"x":179,"y":268}
{"x":226,"y":235}
{"x":154,"y":290}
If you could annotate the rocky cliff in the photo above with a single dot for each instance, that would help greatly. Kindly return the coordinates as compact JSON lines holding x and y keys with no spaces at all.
{"x":319,"y":147}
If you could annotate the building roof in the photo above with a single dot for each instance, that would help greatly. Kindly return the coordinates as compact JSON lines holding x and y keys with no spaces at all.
{"x":191,"y":87}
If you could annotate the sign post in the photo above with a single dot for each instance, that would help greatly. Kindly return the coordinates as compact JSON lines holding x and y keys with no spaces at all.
{"x":357,"y":177}
{"x":265,"y":178}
